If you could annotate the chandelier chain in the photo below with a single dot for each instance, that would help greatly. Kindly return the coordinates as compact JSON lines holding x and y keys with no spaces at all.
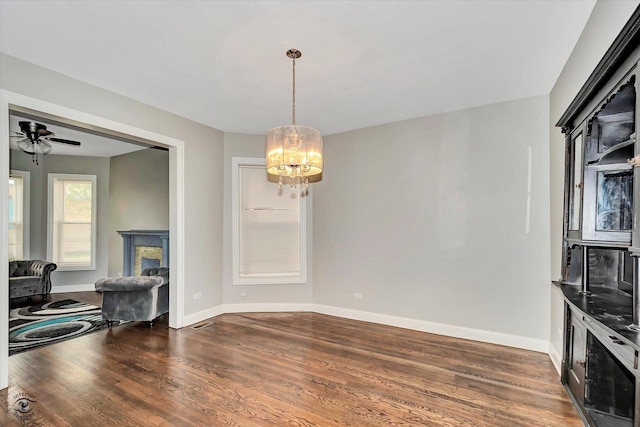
{"x":293,"y":108}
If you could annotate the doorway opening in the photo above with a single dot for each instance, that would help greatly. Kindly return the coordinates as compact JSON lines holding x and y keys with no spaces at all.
{"x":19,"y":105}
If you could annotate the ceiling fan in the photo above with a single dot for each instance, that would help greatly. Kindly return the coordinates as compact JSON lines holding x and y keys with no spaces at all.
{"x":36,"y":139}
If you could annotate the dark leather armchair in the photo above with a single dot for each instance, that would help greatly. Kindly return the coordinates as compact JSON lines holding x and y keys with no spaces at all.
{"x":30,"y":277}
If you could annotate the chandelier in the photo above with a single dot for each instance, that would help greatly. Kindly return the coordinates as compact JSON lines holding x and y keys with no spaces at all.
{"x":294,"y":152}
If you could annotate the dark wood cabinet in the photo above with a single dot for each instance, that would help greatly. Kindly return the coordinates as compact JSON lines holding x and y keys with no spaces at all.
{"x":577,"y":356}
{"x":600,"y":278}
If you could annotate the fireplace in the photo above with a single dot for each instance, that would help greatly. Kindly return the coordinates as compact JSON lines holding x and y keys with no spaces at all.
{"x":144,"y":249}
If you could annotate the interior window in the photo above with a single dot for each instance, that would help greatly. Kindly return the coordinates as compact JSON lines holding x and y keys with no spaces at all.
{"x":18,"y":234}
{"x":269,"y":227}
{"x":72,"y":221}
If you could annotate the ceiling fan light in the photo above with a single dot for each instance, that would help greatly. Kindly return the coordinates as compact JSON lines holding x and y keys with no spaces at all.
{"x":27,"y":146}
{"x":44,"y":146}
{"x":37,"y":140}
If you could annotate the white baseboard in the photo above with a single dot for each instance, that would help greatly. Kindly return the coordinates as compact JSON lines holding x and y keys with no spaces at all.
{"x":533,"y":344}
{"x":556,"y":357}
{"x":192,"y":319}
{"x":58,"y":289}
{"x":267,"y":307}
{"x":508,"y":340}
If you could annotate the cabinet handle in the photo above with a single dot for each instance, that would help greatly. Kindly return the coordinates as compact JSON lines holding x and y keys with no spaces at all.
{"x":616,"y":340}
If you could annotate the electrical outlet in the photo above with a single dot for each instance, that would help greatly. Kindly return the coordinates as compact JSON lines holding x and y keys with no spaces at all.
{"x":357,"y":295}
{"x":197,"y":295}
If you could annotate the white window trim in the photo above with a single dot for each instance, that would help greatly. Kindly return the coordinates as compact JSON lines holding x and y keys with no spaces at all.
{"x":26,"y":206}
{"x":94,"y":203}
{"x":266,"y":279}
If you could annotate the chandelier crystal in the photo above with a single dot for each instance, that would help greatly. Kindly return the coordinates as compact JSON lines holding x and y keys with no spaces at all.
{"x":294,"y":152}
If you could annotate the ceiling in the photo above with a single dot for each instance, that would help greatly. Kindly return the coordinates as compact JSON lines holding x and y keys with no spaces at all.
{"x":223,"y":63}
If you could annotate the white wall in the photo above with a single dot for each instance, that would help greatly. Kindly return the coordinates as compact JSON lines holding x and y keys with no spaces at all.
{"x":427,"y":218}
{"x":99,"y":166}
{"x":203,"y":157}
{"x":138,"y":198}
{"x":604,"y":25}
{"x":286,"y":296}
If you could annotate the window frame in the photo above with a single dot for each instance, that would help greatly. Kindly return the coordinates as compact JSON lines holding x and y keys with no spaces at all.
{"x":26,"y":207}
{"x":268,"y":278}
{"x":52,"y":177}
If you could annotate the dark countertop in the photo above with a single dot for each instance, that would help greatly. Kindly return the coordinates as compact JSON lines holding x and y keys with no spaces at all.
{"x":608,"y":306}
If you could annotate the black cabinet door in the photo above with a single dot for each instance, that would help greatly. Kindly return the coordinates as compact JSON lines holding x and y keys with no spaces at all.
{"x":577,"y":358}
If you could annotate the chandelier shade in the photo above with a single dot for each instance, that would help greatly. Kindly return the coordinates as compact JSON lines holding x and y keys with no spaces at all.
{"x":293,"y":151}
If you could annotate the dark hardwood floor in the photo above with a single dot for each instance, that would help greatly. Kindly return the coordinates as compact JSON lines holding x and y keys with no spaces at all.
{"x":281,"y":369}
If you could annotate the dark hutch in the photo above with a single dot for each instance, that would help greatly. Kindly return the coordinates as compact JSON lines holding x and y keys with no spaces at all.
{"x":601,"y":246}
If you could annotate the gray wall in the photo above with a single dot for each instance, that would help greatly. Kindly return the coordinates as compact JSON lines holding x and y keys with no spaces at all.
{"x":427,"y":219}
{"x":203,"y":158}
{"x":243,"y":145}
{"x":138,"y":198}
{"x":606,"y":21}
{"x":51,"y":163}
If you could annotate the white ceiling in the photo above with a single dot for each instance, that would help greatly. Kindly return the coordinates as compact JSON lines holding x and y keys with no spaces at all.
{"x":223,"y":63}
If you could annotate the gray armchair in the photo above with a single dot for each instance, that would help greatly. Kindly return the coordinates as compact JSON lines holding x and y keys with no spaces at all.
{"x":30,"y":277}
{"x":135,"y":298}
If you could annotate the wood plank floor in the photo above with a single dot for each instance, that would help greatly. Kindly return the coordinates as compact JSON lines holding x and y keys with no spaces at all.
{"x":298,"y":369}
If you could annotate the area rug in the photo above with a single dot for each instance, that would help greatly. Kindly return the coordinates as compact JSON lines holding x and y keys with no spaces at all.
{"x":49,"y":323}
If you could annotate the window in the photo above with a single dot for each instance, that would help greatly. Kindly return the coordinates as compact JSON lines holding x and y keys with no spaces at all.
{"x":71,"y":240}
{"x":18,"y":215}
{"x":269,"y":228}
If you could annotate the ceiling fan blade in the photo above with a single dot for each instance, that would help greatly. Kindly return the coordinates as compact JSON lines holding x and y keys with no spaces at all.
{"x":17,"y":134}
{"x":63,"y":141}
{"x":44,"y":146}
{"x":27,"y":146}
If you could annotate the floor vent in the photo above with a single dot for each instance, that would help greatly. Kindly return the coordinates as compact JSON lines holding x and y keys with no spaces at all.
{"x":202,"y":325}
